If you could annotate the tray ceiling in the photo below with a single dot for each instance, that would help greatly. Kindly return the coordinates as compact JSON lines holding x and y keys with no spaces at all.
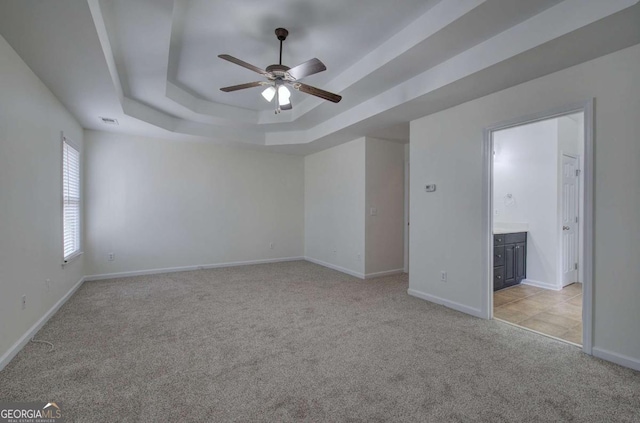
{"x":153,"y":65}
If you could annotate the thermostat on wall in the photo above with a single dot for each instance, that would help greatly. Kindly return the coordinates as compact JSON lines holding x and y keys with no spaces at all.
{"x":430,"y":187}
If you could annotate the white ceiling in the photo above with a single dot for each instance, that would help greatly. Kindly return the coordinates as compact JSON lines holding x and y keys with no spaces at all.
{"x":152,"y":64}
{"x":337,"y":32}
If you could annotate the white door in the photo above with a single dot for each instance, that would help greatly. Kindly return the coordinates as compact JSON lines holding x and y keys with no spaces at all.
{"x":570,"y":200}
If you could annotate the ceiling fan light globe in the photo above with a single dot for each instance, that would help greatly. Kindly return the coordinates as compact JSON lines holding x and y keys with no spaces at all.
{"x":269,"y":93}
{"x":284,"y":96}
{"x":283,"y":92}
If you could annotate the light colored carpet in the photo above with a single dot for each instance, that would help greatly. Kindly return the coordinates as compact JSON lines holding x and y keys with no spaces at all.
{"x":295,"y":341}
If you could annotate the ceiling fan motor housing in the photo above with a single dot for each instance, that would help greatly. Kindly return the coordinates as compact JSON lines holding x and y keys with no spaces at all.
{"x":277,"y":70}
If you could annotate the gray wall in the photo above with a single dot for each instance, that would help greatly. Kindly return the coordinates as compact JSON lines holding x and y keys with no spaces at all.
{"x":446,"y":227}
{"x":164,"y":204}
{"x":31,"y":122}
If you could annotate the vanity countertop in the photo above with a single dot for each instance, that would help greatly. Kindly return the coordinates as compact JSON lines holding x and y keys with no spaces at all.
{"x":508,"y":228}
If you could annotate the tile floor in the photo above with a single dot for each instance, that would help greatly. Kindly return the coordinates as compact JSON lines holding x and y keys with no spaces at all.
{"x":555,"y":313}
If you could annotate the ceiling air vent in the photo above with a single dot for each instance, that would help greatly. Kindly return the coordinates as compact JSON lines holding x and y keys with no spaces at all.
{"x":109,"y":121}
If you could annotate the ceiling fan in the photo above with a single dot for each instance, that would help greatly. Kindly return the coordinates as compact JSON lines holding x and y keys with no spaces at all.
{"x":279,"y":76}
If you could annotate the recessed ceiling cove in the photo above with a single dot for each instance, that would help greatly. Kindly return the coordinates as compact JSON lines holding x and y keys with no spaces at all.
{"x":339,"y":33}
{"x":166,"y":51}
{"x":153,"y":64}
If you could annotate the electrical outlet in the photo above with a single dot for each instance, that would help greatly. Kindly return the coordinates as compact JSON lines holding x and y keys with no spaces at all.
{"x":496,"y":212}
{"x":24,"y":302}
{"x":271,"y":245}
{"x":335,"y":252}
{"x":443,"y":276}
{"x":47,"y":285}
{"x":112,"y":257}
{"x":359,"y":257}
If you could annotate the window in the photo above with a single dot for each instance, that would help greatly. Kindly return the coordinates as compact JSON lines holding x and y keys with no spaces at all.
{"x":70,"y":199}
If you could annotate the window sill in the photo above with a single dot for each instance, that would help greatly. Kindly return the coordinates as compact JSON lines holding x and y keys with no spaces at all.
{"x":71,"y":258}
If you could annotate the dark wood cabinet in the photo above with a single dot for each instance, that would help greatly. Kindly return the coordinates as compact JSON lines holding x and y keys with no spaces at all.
{"x":521,"y":261}
{"x":509,"y":259}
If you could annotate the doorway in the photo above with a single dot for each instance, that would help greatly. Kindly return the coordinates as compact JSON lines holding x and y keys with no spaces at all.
{"x":538,"y":185}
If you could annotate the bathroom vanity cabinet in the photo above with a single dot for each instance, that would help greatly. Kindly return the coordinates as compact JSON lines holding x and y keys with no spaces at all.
{"x":509,"y":259}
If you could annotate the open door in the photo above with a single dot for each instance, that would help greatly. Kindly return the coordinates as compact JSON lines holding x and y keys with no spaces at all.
{"x":570,"y":198}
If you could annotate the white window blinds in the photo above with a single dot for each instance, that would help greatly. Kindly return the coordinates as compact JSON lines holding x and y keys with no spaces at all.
{"x":70,"y":199}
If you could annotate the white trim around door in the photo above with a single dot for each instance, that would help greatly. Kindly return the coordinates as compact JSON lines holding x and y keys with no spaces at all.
{"x":587,"y":107}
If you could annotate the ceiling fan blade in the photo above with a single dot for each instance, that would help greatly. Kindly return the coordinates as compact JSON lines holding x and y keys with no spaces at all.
{"x":317,"y":92}
{"x":307,"y":68}
{"x":287,"y":106}
{"x":242,"y":63}
{"x":242,"y":86}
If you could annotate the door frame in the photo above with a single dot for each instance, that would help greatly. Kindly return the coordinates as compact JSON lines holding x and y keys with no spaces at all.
{"x":586,"y":223}
{"x":406,"y":211}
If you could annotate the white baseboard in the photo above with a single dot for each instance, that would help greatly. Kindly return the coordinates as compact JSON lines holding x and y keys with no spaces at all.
{"x":24,"y":340}
{"x":186,"y":268}
{"x":450,"y":304}
{"x":623,"y":360}
{"x":334,"y":267}
{"x":540,"y":284}
{"x":383,"y":273}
